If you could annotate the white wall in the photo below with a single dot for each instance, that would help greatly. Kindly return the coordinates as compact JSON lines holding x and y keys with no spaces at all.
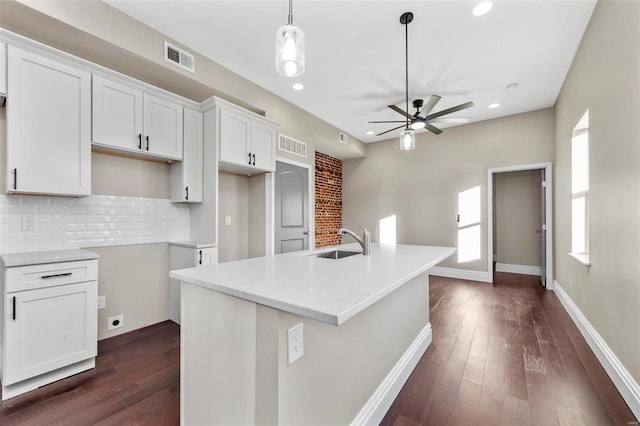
{"x":233,"y":201}
{"x":421,"y":186}
{"x":605,"y":79}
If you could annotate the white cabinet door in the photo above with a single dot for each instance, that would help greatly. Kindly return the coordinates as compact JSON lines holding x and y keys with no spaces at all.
{"x":162,"y":126}
{"x":186,"y":176}
{"x":48,"y":126}
{"x":49,"y":328}
{"x":117,"y":115}
{"x":3,"y":69}
{"x":263,"y":142}
{"x":235,"y":134}
{"x":206,"y":256}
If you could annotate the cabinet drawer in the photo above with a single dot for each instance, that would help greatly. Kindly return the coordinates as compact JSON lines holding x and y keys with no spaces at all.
{"x":49,"y":275}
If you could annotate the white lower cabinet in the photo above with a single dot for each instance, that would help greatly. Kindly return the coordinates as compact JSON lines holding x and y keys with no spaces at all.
{"x":49,"y":319}
{"x":187,"y":254}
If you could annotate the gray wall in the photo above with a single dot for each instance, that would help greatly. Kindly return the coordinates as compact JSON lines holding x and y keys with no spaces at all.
{"x":605,"y":79}
{"x":233,"y":200}
{"x":421,"y":186}
{"x":517,"y":212}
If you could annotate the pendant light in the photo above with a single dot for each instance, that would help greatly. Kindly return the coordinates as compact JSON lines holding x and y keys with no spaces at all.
{"x":290,"y":48}
{"x":407,"y":136}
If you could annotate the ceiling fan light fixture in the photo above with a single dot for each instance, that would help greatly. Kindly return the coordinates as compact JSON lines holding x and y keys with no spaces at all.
{"x":407,"y":139}
{"x":482,"y":8}
{"x":290,"y":48}
{"x":418,"y":124}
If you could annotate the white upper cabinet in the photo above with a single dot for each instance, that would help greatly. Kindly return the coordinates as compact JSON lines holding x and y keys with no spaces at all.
{"x":127,"y":120}
{"x":186,"y":176}
{"x":117,"y":115}
{"x":162,"y":126}
{"x":247,"y":141}
{"x":48,"y":126}
{"x":3,"y":69}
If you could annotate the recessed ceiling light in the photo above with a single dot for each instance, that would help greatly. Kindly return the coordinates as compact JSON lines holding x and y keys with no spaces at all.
{"x":482,"y":8}
{"x":370,"y":132}
{"x":298,"y":86}
{"x":494,"y":105}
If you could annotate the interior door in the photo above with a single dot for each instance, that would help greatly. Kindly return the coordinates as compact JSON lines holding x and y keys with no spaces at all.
{"x":291,"y":208}
{"x":543,"y":229}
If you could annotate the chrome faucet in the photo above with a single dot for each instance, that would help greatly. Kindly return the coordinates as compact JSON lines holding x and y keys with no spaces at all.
{"x":365,"y":241}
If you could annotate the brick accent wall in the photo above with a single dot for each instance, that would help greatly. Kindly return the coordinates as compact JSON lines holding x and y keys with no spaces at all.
{"x":328,"y":200}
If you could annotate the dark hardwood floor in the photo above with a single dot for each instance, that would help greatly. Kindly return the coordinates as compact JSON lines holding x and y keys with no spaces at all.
{"x":136,"y":381}
{"x":505,"y":353}
{"x":502,"y":353}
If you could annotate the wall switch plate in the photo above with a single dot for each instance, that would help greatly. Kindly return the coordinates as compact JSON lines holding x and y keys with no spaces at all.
{"x":102,"y":302}
{"x":295,"y":343}
{"x":227,"y":220}
{"x":28,"y":224}
{"x":115,"y":322}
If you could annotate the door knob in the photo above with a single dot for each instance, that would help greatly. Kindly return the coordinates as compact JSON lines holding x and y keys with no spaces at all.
{"x":305,"y":232}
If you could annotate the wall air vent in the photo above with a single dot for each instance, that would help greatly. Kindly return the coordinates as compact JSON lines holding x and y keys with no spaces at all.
{"x":179,"y":57}
{"x":344,"y":138}
{"x":292,"y":146}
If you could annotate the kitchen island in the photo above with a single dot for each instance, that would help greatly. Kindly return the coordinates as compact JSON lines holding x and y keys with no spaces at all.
{"x":365,"y":325}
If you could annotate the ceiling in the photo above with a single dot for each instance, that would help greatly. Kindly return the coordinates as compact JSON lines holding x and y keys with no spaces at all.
{"x":355,"y":52}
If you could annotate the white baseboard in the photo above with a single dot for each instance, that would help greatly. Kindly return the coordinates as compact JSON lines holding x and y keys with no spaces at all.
{"x":518,"y":269}
{"x":378,"y":404}
{"x":622,"y":379}
{"x":460,"y":274}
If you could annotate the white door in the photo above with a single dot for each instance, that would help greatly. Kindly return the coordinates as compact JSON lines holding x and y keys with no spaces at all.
{"x":117,"y":115}
{"x":543,"y":229}
{"x":49,"y":328}
{"x":291,"y":208}
{"x":206,"y":256}
{"x":235,"y":131}
{"x":48,"y":126}
{"x":263,"y":142}
{"x":192,"y":156}
{"x":162,"y":126}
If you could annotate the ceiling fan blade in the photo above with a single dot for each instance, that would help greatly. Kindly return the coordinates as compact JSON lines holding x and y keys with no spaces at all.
{"x":432,"y":129}
{"x":433,"y":100}
{"x":396,"y":121}
{"x":451,"y":120}
{"x":401,"y":112}
{"x":449,"y":110}
{"x":391,"y":130}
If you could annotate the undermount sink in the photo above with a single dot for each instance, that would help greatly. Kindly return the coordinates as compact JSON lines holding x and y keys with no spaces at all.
{"x":337,"y":254}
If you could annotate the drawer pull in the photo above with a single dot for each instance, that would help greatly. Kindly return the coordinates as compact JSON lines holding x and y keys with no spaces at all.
{"x":66,"y":274}
{"x":14,"y":309}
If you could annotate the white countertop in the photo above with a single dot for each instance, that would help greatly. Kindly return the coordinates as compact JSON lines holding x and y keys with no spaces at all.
{"x":50,"y":256}
{"x":327,"y":290}
{"x":192,"y":244}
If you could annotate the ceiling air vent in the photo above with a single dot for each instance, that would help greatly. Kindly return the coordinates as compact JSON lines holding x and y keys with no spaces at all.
{"x":344,"y":138}
{"x":290,"y":145}
{"x":179,"y":57}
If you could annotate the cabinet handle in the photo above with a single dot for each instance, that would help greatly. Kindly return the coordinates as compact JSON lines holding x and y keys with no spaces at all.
{"x":13,"y":316}
{"x":249,"y":158}
{"x":46,"y":277}
{"x":200,"y":261}
{"x":147,"y":138}
{"x":187,"y":189}
{"x":254,"y":159}
{"x":15,"y":179}
{"x":139,"y":140}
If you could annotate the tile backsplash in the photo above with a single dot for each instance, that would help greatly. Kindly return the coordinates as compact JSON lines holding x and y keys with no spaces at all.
{"x":94,"y":221}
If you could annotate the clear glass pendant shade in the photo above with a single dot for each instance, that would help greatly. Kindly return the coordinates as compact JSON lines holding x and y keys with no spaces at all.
{"x":407,"y":140}
{"x":290,"y":51}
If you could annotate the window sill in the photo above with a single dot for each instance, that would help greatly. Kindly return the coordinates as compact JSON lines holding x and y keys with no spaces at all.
{"x":583,"y":259}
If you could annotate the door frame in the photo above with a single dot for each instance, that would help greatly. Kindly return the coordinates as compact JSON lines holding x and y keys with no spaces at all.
{"x":547,"y":167}
{"x":311,"y":208}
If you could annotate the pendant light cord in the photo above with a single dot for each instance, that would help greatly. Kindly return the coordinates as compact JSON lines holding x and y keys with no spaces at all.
{"x":290,"y":20}
{"x":406,"y":70}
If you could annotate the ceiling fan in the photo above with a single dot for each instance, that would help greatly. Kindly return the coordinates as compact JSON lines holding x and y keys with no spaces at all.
{"x":416,"y":121}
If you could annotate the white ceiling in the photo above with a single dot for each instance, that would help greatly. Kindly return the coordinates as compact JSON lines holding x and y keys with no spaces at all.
{"x":355,"y":52}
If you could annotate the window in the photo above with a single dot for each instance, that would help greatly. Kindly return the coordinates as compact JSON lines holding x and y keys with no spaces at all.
{"x":388,"y":230}
{"x":469,"y":229}
{"x":580,"y":190}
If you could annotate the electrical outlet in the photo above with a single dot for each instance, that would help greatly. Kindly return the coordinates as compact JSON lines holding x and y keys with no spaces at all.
{"x":295,"y":343}
{"x":28,"y":224}
{"x":102,"y":302}
{"x":227,"y":220}
{"x":115,"y":322}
